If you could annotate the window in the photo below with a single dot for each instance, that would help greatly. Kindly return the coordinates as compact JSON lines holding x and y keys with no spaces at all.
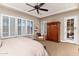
{"x":23,"y":27}
{"x":12,"y":26}
{"x":5,"y":26}
{"x":71,"y":29}
{"x":8,"y":27}
{"x":29,"y":27}
{"x":44,"y":27}
{"x":19,"y":26}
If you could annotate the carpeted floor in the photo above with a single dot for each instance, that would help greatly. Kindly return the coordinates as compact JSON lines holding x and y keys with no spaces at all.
{"x":61,"y":49}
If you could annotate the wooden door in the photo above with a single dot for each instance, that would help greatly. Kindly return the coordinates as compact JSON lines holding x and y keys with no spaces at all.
{"x":53,"y":30}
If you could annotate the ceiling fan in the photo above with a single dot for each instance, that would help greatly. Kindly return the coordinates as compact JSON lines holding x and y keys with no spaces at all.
{"x":37,"y":7}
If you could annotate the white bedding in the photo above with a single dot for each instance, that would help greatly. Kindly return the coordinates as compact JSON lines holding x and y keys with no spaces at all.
{"x":22,"y":46}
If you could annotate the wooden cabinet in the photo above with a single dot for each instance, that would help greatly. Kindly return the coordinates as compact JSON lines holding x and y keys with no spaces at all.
{"x":53,"y":30}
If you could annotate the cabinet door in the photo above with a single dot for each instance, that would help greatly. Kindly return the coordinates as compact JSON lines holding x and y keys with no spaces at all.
{"x":53,"y":31}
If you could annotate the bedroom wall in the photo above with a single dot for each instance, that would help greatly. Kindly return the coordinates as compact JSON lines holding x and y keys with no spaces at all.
{"x":60,"y":18}
{"x":8,"y":11}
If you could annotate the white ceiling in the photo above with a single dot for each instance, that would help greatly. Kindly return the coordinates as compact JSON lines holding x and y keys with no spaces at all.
{"x":53,"y":8}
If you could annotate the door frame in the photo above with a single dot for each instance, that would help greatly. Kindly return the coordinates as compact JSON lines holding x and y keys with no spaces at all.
{"x":75,"y":40}
{"x":57,"y":22}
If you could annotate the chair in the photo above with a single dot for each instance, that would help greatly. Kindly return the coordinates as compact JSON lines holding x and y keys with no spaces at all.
{"x":41,"y":39}
{"x":39,"y":36}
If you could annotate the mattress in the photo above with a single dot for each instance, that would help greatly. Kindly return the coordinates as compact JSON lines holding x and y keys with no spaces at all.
{"x":22,"y":46}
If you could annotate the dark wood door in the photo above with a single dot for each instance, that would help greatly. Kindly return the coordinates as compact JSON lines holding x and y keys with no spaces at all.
{"x":53,"y":30}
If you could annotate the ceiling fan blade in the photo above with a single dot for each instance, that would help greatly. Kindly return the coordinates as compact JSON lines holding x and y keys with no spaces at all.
{"x":41,"y":4}
{"x":43,"y":9}
{"x":29,"y":5}
{"x":37,"y":11}
{"x":31,"y":10}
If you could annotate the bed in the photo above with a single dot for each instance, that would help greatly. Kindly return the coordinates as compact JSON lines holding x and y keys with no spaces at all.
{"x":22,"y":46}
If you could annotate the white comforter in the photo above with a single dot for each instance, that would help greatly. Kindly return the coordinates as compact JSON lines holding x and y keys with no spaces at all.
{"x":22,"y":46}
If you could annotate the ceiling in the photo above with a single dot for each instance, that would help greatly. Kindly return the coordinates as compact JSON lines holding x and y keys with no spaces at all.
{"x":53,"y":8}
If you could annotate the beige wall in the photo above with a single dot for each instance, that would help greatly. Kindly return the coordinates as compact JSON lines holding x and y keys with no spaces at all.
{"x":60,"y":18}
{"x":57,"y":17}
{"x":15,"y":13}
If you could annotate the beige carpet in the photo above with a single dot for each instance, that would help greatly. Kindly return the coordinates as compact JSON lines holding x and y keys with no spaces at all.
{"x":61,"y":49}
